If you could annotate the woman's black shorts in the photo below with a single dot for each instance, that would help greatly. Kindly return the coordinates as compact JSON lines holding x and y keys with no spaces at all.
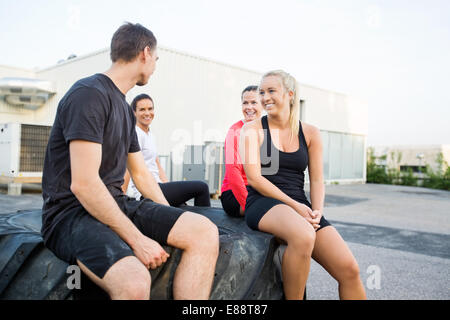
{"x":79,"y":236}
{"x":230,"y":204}
{"x":257,"y":206}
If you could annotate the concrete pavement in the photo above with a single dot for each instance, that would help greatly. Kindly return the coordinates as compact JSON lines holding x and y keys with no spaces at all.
{"x":399,"y":235}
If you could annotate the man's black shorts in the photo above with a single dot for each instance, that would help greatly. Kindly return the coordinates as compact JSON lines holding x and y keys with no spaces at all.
{"x":81,"y":237}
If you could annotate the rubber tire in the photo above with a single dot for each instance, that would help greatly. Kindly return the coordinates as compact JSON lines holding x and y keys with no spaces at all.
{"x":244,"y":269}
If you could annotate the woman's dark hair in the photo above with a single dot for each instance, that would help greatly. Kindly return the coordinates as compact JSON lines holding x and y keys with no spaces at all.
{"x":129,"y":40}
{"x":138,"y":98}
{"x":249,"y":88}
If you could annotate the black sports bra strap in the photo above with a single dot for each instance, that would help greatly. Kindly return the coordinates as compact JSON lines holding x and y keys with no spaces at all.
{"x":264,"y":122}
{"x":267,"y":137}
{"x":301,"y":135}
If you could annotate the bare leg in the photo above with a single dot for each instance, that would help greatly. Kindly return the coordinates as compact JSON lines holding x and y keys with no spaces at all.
{"x":127,"y":279}
{"x":284,"y":223}
{"x":198,"y":237}
{"x":332,"y":253}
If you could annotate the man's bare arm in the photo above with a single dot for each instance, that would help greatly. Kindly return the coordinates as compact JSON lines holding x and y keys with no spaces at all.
{"x":162,"y":173}
{"x":143,"y":179}
{"x":126,"y":181}
{"x":85,"y":160}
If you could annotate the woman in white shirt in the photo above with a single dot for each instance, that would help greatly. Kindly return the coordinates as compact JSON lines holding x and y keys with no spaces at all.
{"x":177,"y":192}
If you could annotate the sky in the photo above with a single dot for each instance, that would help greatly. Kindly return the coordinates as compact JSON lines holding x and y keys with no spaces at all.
{"x":393,"y":54}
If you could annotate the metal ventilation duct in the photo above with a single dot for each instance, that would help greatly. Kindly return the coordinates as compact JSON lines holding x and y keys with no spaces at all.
{"x":29,"y":93}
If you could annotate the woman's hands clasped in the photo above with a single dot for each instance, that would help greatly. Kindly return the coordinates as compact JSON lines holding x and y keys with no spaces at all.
{"x":312,"y":216}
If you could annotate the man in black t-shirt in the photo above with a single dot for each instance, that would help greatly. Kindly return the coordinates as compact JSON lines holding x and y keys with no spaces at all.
{"x":87,"y":220}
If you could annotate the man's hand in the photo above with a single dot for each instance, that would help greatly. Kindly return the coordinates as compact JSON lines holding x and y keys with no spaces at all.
{"x":150,"y":252}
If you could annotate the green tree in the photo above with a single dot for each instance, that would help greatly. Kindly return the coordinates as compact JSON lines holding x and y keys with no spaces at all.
{"x":408,"y":178}
{"x":439,"y":179}
{"x":375,"y":173}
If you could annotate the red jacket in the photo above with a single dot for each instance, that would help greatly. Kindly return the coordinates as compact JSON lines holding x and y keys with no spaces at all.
{"x":235,"y":179}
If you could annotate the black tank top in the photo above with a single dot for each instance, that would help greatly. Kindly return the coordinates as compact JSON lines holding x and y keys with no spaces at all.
{"x":286,"y":170}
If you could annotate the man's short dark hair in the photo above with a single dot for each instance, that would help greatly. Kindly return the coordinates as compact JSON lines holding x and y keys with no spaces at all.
{"x":249,"y":88}
{"x":129,"y":40}
{"x":138,"y":98}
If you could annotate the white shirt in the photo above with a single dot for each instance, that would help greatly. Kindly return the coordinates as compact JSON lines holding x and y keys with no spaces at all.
{"x":150,"y":152}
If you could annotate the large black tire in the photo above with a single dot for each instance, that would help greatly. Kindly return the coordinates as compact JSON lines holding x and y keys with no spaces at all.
{"x":28,"y":270}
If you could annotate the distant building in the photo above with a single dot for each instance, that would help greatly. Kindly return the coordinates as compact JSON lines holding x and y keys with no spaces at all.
{"x":196,"y":100}
{"x":414,"y":157}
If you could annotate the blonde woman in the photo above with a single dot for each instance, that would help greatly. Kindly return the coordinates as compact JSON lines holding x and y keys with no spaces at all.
{"x":276,"y":150}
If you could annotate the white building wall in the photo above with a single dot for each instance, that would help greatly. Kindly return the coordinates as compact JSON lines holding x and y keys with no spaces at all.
{"x":332,"y":111}
{"x":343,"y":122}
{"x":196,"y":100}
{"x":64,"y":75}
{"x":195,"y":96}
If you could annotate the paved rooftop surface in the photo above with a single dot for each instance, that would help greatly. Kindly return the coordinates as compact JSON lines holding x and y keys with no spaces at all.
{"x":400,"y":233}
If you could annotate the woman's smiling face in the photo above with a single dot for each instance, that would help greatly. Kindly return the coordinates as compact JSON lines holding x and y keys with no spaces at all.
{"x":251,"y":106}
{"x":273,"y":96}
{"x":145,"y":112}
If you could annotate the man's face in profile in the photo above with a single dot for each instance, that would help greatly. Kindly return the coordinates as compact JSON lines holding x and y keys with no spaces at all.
{"x":149,"y":65}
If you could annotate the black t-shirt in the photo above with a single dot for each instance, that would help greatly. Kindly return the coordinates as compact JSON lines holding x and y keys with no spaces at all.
{"x":95,"y":110}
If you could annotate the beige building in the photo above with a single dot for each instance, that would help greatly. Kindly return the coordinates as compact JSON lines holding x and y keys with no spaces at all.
{"x":415,"y":157}
{"x":196,"y":100}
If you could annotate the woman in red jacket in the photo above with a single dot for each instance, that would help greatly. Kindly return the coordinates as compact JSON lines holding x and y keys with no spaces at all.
{"x":234,"y":191}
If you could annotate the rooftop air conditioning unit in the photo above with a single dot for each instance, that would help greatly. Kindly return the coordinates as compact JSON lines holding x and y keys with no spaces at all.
{"x":22,"y":149}
{"x":205,"y":163}
{"x":26,"y":100}
{"x":28,"y":93}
